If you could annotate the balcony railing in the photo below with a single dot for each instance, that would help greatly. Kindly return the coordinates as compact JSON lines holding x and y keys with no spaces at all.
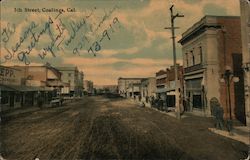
{"x":193,"y":68}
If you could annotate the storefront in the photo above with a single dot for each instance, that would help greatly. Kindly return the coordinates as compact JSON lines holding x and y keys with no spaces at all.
{"x":194,"y":95}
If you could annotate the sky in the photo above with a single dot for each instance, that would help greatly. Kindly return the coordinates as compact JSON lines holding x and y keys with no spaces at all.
{"x":106,"y":39}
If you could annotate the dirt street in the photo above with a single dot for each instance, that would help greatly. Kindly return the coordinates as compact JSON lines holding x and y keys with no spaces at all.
{"x":102,"y":128}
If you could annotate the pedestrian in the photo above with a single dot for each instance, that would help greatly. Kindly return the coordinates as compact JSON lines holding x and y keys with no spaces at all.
{"x":151,"y":100}
{"x":217,"y":112}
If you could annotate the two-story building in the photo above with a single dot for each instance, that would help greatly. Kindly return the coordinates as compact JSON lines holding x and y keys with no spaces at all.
{"x":148,"y":90}
{"x":74,"y":78}
{"x":161,"y":82}
{"x":212,"y":48}
{"x":171,"y":86}
{"x":129,"y":87}
{"x":46,"y":78}
{"x":165,"y":83}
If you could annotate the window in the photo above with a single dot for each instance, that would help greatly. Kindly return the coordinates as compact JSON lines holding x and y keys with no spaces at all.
{"x":187,"y":59}
{"x":193,"y":58}
{"x":69,"y":74}
{"x":5,"y":98}
{"x":190,"y":59}
{"x":200,"y":54}
{"x":18,"y":98}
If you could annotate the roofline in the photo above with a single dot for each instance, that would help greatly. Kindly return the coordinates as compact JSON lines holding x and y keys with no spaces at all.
{"x":10,"y":67}
{"x":199,"y":26}
{"x":67,"y":68}
{"x":131,"y":78}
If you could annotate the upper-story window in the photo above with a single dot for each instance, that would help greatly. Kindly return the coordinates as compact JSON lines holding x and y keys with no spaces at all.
{"x":69,"y":74}
{"x":186,"y":57}
{"x":193,"y":57}
{"x":200,"y":54}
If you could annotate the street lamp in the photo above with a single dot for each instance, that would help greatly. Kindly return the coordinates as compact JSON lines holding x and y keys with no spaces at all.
{"x":177,"y":104}
{"x":227,"y":78}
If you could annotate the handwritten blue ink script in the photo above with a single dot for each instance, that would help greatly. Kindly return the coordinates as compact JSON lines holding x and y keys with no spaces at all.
{"x":48,"y":32}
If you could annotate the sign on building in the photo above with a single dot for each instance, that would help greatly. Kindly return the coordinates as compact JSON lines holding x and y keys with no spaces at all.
{"x":10,"y":76}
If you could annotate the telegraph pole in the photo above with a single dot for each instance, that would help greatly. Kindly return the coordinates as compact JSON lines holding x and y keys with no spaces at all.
{"x":177,"y":103}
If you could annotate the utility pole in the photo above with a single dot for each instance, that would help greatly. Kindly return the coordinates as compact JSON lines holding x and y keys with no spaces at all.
{"x":177,"y":103}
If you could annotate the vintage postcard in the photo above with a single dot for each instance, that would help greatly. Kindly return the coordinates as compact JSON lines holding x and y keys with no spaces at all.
{"x":125,"y":79}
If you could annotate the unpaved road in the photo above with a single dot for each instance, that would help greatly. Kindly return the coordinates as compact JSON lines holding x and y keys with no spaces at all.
{"x":102,"y":128}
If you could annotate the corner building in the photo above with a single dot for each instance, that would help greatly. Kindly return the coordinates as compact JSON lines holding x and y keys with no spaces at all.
{"x":210,"y":47}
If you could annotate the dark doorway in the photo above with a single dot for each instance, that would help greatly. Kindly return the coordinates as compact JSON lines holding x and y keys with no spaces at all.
{"x":171,"y":100}
{"x":239,"y":88}
{"x":197,"y":102}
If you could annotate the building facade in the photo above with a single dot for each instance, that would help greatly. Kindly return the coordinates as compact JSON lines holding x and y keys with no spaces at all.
{"x":161,"y":82}
{"x":171,"y":86}
{"x":9,"y":96}
{"x":128,"y":87}
{"x":212,"y":48}
{"x":245,"y":33}
{"x":45,"y":78}
{"x":88,"y":87}
{"x":21,"y":85}
{"x":148,"y":90}
{"x":165,"y":83}
{"x":74,"y":78}
{"x":80,"y":83}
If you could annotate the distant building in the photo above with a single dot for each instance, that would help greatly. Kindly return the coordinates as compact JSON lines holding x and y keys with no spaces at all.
{"x":161,"y":82}
{"x":80,"y":83}
{"x":88,"y":87}
{"x":129,"y":87}
{"x":74,"y":78}
{"x":210,"y":47}
{"x":170,"y":86}
{"x":245,"y":33}
{"x":110,"y":89}
{"x":165,"y":83}
{"x":148,"y":90}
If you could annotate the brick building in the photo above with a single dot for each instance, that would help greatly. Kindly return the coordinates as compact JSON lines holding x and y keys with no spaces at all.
{"x":211,"y":47}
{"x":170,"y":85}
{"x":165,"y":84}
{"x":161,"y":81}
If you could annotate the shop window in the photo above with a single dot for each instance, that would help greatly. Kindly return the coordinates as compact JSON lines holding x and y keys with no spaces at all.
{"x":17,"y":98}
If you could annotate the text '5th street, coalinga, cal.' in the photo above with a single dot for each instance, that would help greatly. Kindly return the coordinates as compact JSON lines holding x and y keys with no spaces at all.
{"x":38,"y":10}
